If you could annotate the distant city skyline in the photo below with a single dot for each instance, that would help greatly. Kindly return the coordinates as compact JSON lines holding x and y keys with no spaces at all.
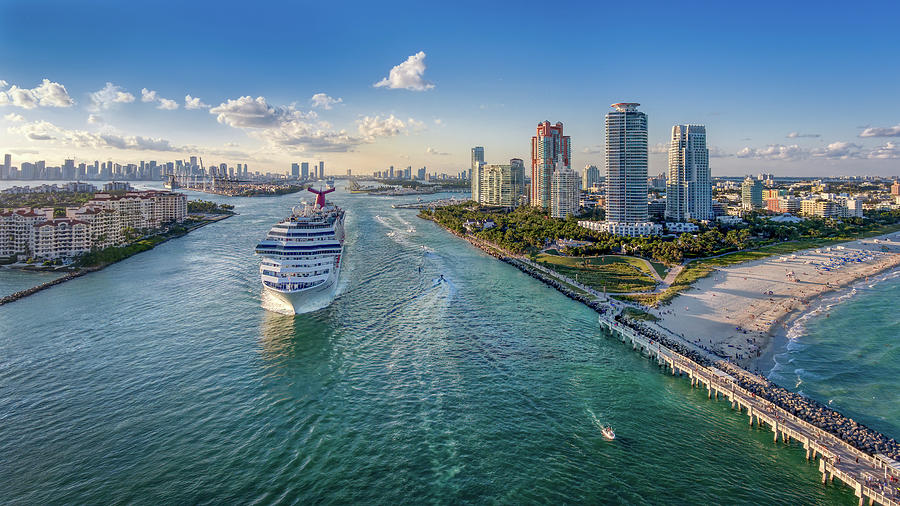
{"x":809,"y":92}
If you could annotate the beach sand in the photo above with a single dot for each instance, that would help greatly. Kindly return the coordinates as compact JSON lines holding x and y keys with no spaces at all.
{"x":736,"y":310}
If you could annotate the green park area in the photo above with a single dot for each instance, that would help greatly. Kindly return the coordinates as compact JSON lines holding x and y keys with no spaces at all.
{"x":615,"y":274}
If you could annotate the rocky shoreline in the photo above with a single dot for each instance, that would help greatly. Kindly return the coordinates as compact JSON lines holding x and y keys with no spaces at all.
{"x":43,"y":286}
{"x":854,"y":433}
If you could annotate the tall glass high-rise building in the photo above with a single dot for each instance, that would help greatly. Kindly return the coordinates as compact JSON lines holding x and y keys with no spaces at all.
{"x":591,"y":177}
{"x":626,"y":164}
{"x":475,"y":175}
{"x":688,"y":187}
{"x":548,"y":148}
{"x":502,"y":185}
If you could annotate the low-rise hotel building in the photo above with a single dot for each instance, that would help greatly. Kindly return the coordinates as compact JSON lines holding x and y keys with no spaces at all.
{"x":624,"y":229}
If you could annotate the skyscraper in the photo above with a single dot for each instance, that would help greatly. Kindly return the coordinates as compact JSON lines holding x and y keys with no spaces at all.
{"x":563,"y":192}
{"x":304,"y":170}
{"x":626,"y":164}
{"x":591,"y":177}
{"x":475,"y":172}
{"x":7,"y":163}
{"x":751,"y":193}
{"x":502,"y":185}
{"x":548,"y":147}
{"x":688,"y":191}
{"x":321,"y":170}
{"x":295,"y":170}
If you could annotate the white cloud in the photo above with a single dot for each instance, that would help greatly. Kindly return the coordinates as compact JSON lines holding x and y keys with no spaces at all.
{"x":659,"y":148}
{"x":191,"y":103}
{"x":94,"y":119}
{"x":14,"y":118}
{"x":416,"y":125}
{"x":838,"y":151}
{"x":285,"y":128}
{"x":166,"y":104}
{"x":3,"y":84}
{"x":324,"y":101}
{"x":432,"y":151}
{"x":298,"y":135}
{"x":46,"y":94}
{"x":108,"y":96}
{"x":46,"y":131}
{"x":890,"y":150}
{"x":893,"y":131}
{"x":148,"y":95}
{"x":247,"y":112}
{"x":374,"y":126}
{"x":774,"y":152}
{"x":438,"y":122}
{"x":715,"y":152}
{"x":408,"y":75}
{"x":796,"y":135}
{"x":591,"y":150}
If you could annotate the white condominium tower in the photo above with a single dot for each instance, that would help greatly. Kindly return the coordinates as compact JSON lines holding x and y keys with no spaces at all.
{"x":563,"y":192}
{"x":626,"y":164}
{"x":475,"y":172}
{"x":688,"y":191}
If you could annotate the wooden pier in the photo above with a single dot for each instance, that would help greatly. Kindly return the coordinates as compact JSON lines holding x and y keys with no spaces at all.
{"x":837,"y":458}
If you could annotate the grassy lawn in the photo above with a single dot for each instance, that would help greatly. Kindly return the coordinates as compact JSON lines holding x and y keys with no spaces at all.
{"x":660,"y":269}
{"x":637,"y":314}
{"x":617,"y":274}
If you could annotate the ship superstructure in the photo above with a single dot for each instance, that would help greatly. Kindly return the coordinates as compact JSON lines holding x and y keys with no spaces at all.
{"x":302,"y":255}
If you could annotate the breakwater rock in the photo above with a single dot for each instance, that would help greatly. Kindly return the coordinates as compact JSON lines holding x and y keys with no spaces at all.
{"x":43,"y":286}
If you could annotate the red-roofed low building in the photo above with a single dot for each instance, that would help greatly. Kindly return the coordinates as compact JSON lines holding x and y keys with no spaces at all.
{"x":99,"y":224}
{"x":61,"y":238}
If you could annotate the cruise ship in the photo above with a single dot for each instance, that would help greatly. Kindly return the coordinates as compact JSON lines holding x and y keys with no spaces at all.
{"x":301,"y":255}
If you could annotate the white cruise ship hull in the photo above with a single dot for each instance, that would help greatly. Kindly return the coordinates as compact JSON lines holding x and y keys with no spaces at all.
{"x":306,"y":300}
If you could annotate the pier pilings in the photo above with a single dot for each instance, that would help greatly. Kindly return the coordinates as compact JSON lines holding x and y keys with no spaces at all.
{"x":837,"y":458}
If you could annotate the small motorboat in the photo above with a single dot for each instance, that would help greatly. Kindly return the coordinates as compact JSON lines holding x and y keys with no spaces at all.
{"x":607,"y":432}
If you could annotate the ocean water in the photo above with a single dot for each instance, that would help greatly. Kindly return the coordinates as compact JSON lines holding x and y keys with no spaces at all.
{"x":163,"y":379}
{"x":845,"y":352}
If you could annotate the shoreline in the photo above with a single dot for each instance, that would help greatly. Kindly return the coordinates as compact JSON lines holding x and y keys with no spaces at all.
{"x":738,"y":311}
{"x":781,"y":337}
{"x":854,"y":438}
{"x":81,"y":271}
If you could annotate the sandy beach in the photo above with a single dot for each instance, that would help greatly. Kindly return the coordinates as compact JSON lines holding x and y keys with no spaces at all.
{"x":736,"y":310}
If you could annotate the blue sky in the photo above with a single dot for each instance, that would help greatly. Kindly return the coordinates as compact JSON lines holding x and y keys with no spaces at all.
{"x":480,"y":73}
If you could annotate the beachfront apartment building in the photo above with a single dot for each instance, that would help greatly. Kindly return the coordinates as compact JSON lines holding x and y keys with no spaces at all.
{"x":689,"y":187}
{"x":549,"y":149}
{"x":501,"y":184}
{"x":102,"y":222}
{"x":626,"y":164}
{"x":475,"y":172}
{"x":625,"y":229}
{"x":564,"y":192}
{"x":60,"y":238}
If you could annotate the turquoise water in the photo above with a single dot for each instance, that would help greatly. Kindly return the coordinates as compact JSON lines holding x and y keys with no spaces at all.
{"x":846,"y":353}
{"x":13,"y":280}
{"x":162,"y":379}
